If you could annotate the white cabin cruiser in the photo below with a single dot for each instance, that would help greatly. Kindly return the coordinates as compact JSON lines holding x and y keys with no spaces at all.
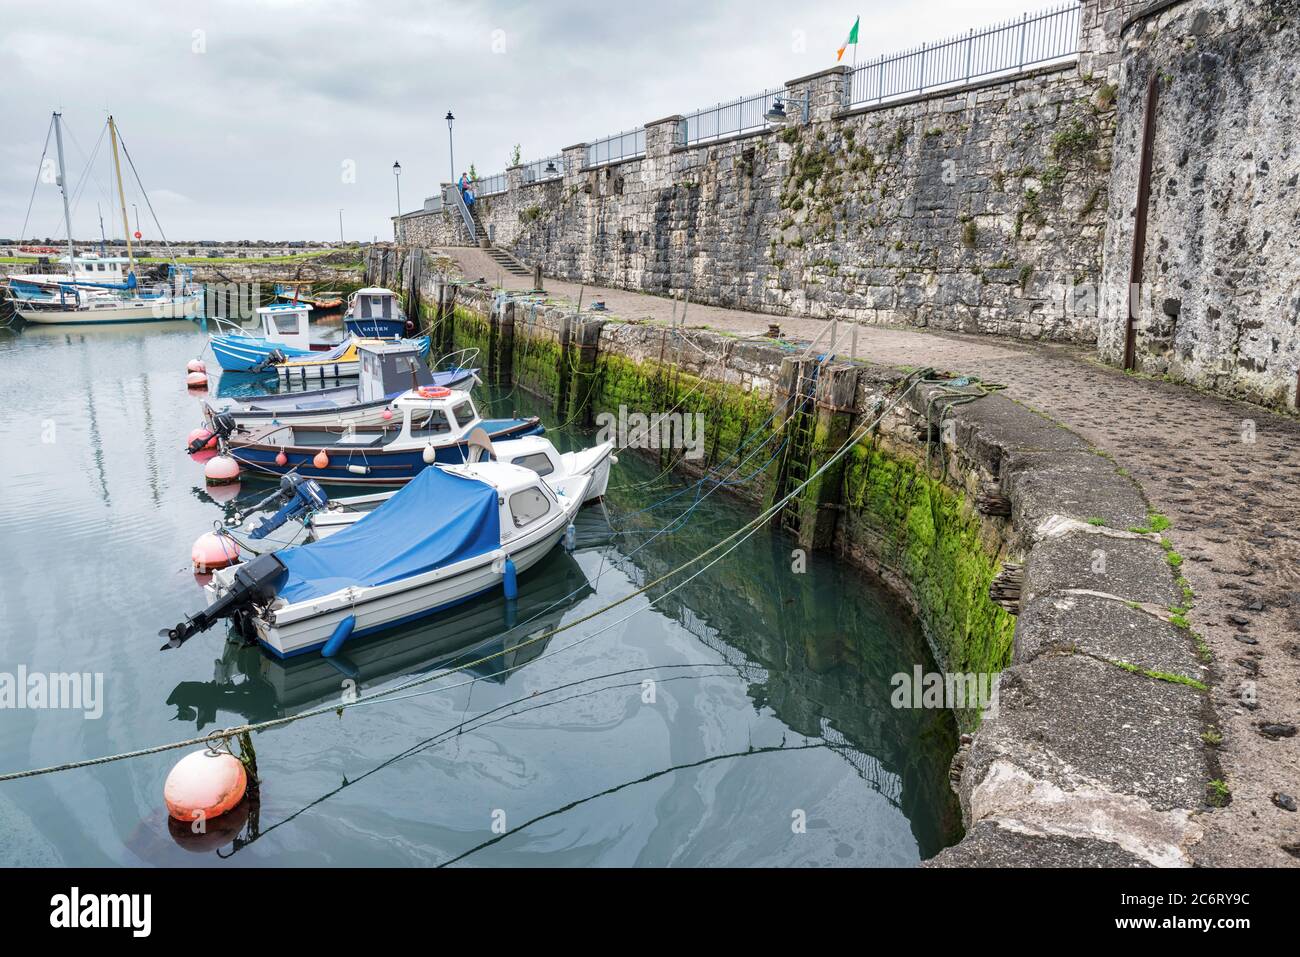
{"x":305,"y":512}
{"x":452,"y":533}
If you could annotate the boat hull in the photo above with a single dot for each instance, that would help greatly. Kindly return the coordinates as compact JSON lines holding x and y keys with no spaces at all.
{"x":169,"y":310}
{"x":352,"y":413}
{"x":242,"y":353}
{"x":366,"y":466}
{"x":376,"y":328}
{"x":396,"y":607}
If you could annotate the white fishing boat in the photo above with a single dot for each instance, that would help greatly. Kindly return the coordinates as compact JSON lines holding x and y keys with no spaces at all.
{"x":306,"y":513}
{"x":428,"y":425}
{"x":388,"y":369}
{"x":453,"y":533}
{"x":95,"y":290}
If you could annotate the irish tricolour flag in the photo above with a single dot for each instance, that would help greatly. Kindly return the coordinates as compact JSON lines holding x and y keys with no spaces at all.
{"x":851,"y":41}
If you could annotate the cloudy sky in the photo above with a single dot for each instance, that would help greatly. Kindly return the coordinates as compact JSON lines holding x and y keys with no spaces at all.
{"x":246,"y":117}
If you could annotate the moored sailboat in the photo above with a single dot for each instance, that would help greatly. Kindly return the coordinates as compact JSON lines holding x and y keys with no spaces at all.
{"x":94,"y":290}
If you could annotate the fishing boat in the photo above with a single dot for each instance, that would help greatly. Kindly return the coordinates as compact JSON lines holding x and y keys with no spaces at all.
{"x":94,"y":290}
{"x":375,"y":311}
{"x":388,"y":369}
{"x":304,"y":511}
{"x":429,"y":425}
{"x":341,"y":362}
{"x":453,"y":533}
{"x":508,"y":634}
{"x":286,"y":333}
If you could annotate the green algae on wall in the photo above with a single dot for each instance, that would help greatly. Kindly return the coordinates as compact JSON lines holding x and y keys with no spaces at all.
{"x":930,"y":535}
{"x":472,"y":330}
{"x":729,"y":412}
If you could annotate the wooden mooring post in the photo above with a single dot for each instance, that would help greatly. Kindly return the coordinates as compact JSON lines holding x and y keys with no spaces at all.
{"x":820,"y":502}
{"x":815,"y":411}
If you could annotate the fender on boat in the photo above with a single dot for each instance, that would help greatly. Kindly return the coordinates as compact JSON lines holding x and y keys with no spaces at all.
{"x":342,"y":632}
{"x":509,"y":580}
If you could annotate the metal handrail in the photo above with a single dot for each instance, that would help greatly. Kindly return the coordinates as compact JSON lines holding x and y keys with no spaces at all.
{"x":1006,"y":48}
{"x":732,"y":117}
{"x":459,"y":202}
{"x":619,"y":146}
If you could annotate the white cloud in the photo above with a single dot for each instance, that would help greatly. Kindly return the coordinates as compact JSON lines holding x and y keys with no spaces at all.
{"x":247,"y":138}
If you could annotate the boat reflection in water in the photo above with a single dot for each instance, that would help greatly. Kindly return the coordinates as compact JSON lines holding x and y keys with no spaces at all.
{"x":259,"y":687}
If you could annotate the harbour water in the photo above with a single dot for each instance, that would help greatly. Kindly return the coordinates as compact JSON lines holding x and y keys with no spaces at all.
{"x":743,"y":719}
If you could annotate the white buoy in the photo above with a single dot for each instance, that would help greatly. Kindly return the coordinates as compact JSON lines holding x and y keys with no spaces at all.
{"x":221,"y":470}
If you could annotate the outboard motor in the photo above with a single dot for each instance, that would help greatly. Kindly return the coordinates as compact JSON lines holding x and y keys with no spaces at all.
{"x":301,"y":495}
{"x":256,"y":583}
{"x":273,"y":357}
{"x":223,"y":425}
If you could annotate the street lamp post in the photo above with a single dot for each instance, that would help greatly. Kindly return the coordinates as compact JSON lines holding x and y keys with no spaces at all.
{"x":340,"y":226}
{"x":397,"y":223}
{"x":451,"y":148}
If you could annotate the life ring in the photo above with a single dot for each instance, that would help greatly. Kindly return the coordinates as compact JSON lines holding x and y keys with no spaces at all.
{"x":434,"y":392}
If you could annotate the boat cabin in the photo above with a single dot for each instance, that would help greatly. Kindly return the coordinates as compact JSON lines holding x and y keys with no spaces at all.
{"x":375,"y":302}
{"x":525,"y":501}
{"x":440,"y":420}
{"x":286,"y":323}
{"x":531,"y":452}
{"x":390,"y":368}
{"x":375,"y":311}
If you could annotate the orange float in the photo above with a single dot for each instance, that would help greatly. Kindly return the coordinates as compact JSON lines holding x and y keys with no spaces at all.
{"x":211,"y":551}
{"x":203,"y":785}
{"x":434,"y":392}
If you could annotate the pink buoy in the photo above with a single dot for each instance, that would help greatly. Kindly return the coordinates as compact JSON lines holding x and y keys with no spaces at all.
{"x":221,"y":470}
{"x":321,"y":460}
{"x":203,"y":785}
{"x":387,"y":414}
{"x":211,"y":551}
{"x":200,"y":440}
{"x":281,"y":459}
{"x":195,"y":365}
{"x":196,"y":380}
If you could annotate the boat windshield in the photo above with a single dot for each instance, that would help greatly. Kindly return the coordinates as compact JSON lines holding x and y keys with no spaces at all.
{"x":433,"y":422}
{"x":464,"y":414}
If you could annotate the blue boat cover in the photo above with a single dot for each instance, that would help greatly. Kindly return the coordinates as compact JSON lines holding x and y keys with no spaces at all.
{"x":436,"y":520}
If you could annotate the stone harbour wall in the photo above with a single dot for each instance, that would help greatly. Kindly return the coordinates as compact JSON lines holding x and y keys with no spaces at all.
{"x":1004,"y":208}
{"x":1222,"y":251}
{"x":1021,"y":550}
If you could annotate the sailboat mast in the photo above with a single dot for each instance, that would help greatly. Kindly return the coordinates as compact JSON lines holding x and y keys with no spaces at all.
{"x":63,"y":187}
{"x":121,"y":193}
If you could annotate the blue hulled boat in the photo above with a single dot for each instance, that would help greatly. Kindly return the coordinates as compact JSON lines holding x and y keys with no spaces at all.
{"x":435,"y":425}
{"x":375,"y":312}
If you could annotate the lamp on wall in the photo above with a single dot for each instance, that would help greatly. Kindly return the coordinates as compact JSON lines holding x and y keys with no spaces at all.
{"x":397,"y":223}
{"x":451,"y":148}
{"x":778,"y":117}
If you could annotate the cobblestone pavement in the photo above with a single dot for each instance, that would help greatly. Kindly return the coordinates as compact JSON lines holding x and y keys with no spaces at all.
{"x":1225,"y":473}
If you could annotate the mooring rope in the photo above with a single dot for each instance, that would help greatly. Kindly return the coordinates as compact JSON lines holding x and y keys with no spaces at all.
{"x":734,"y":540}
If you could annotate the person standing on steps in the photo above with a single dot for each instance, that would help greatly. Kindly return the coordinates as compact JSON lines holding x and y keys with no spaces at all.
{"x":466,"y":193}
